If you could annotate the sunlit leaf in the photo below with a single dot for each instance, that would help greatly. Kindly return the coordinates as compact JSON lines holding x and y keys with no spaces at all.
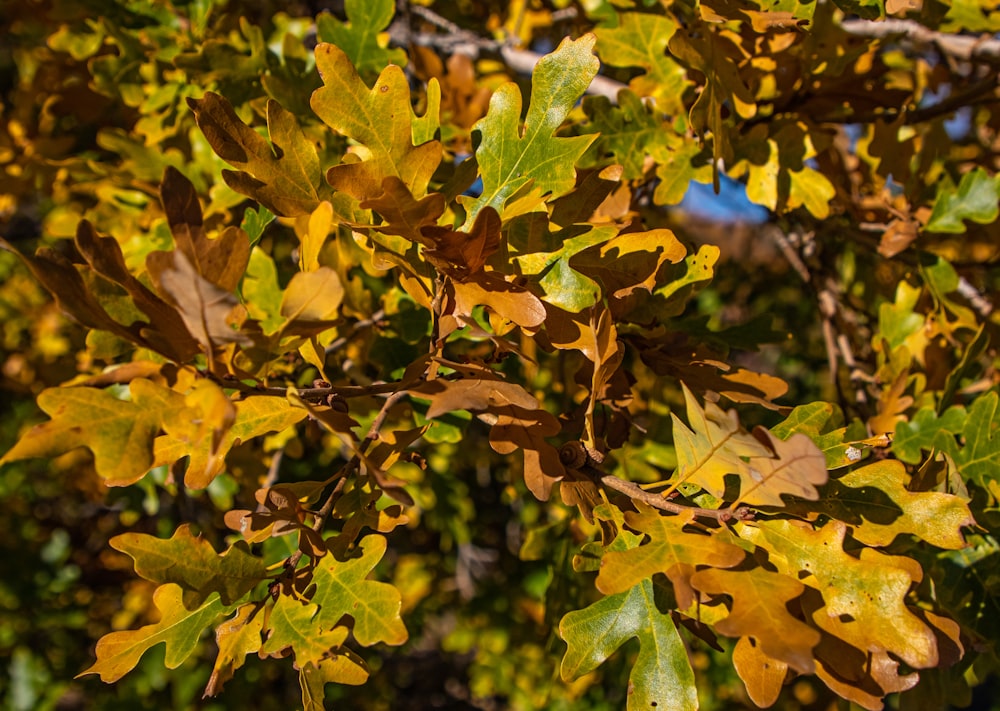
{"x":179,"y":629}
{"x":511,"y":157}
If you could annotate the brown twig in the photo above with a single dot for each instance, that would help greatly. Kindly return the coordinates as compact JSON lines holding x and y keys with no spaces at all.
{"x":656,"y":501}
{"x":357,"y":327}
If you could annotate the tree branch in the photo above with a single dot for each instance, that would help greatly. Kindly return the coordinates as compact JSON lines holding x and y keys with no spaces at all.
{"x":971,"y":49}
{"x":656,"y":501}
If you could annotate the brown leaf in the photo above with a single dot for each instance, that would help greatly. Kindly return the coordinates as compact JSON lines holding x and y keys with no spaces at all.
{"x":475,"y":395}
{"x":167,"y":334}
{"x":703,"y":373}
{"x":512,"y":302}
{"x":222,"y":261}
{"x":797,"y":468}
{"x":520,"y":428}
{"x":460,"y":254}
{"x":401,"y":213}
{"x":61,"y":279}
{"x":207,"y":310}
{"x":629,"y":261}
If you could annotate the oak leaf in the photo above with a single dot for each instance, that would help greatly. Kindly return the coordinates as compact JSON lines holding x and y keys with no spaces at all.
{"x":211,"y":315}
{"x":759,"y":611}
{"x":640,"y":40}
{"x":283,"y":175}
{"x":294,"y":625}
{"x":767,"y":467}
{"x":222,"y":260}
{"x":120,"y":433}
{"x":192,"y":563}
{"x":661,"y":675}
{"x":511,"y":158}
{"x":671,"y":550}
{"x":179,"y":629}
{"x":236,"y":638}
{"x":762,"y":675}
{"x":864,"y":597}
{"x":342,"y":588}
{"x":380,"y":119}
{"x":255,"y":416}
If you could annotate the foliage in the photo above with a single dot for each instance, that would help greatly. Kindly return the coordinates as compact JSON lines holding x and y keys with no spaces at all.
{"x":394,"y":358}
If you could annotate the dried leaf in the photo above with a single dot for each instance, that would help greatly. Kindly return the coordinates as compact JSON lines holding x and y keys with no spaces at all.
{"x":223,"y":260}
{"x":210,"y":314}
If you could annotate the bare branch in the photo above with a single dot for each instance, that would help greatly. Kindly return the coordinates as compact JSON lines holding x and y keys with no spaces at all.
{"x":971,"y":49}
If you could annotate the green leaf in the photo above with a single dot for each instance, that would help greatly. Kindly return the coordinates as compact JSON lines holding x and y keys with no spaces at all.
{"x":255,"y":222}
{"x":262,"y":293}
{"x":661,"y":676}
{"x":510,"y":159}
{"x":979,"y":459}
{"x":193,"y":564}
{"x":923,"y":430}
{"x":120,"y":433}
{"x":977,"y":198}
{"x":179,"y":628}
{"x":640,"y":40}
{"x":361,"y":36}
{"x":342,"y":588}
{"x":381,"y":119}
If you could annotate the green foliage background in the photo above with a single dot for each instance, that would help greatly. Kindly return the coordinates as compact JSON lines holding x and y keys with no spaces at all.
{"x":95,"y":109}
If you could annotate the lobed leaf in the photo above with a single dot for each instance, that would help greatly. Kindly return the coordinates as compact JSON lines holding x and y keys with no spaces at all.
{"x":661,"y":675}
{"x":179,"y":629}
{"x":380,"y":119}
{"x":192,"y":563}
{"x":511,"y":159}
{"x":283,"y":175}
{"x":119,"y":433}
{"x":864,"y":597}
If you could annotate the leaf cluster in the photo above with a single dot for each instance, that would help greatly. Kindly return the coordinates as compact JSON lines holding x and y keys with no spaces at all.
{"x":428,"y":347}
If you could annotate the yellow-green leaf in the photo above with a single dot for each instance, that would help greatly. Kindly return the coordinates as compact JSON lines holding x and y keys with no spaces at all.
{"x":509,"y":156}
{"x":120,"y":433}
{"x":865,"y":597}
{"x":179,"y":628}
{"x":192,"y":563}
{"x":342,"y":588}
{"x":380,"y":119}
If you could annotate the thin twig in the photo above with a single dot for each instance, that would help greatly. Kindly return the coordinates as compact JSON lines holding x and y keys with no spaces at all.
{"x":358,"y":326}
{"x":635,"y":492}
